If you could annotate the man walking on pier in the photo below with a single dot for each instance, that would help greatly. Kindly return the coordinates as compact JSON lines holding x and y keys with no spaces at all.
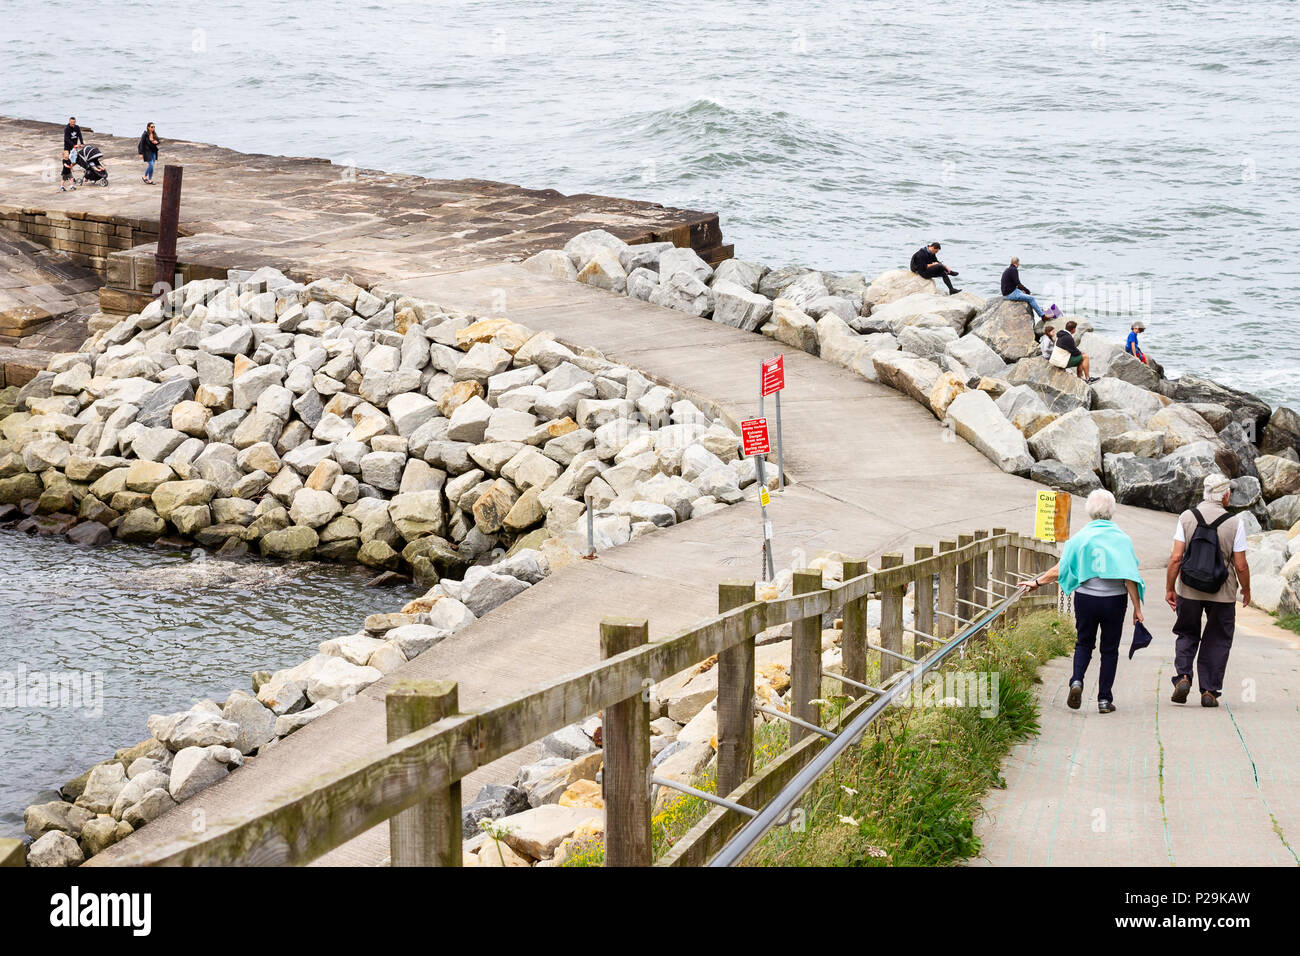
{"x":72,"y":134}
{"x":925,"y":262}
{"x":1013,"y":289}
{"x":1207,"y":564}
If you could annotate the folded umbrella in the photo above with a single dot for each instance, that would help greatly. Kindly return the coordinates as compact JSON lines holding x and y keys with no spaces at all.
{"x":1141,"y":638}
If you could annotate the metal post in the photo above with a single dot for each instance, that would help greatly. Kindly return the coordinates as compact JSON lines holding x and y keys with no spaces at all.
{"x":168,"y":228}
{"x":591,"y":528}
{"x":780,"y":448}
{"x":769,"y":568}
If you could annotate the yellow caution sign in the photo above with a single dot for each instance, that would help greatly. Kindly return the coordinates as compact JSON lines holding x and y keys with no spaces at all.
{"x":764,"y":498}
{"x":1052,"y":516}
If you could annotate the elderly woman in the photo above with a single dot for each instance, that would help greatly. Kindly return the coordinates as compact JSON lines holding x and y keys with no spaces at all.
{"x":1100,"y":568}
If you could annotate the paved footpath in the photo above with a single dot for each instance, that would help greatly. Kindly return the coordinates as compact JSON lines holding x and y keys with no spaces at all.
{"x":875,"y":473}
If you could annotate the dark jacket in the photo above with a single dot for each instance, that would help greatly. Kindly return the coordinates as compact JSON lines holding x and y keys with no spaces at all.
{"x":1011,"y":281}
{"x":1065,"y":341}
{"x":147,"y":148}
{"x":71,"y":136}
{"x":923,"y":258}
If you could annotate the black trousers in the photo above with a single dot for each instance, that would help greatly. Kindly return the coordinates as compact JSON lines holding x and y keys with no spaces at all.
{"x":936,"y":271}
{"x":1209,"y":648}
{"x":1093,"y":613}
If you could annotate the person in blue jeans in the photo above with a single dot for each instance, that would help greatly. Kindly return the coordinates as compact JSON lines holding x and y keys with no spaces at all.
{"x":1013,"y":289}
{"x":1100,"y":568}
{"x":148,"y":150}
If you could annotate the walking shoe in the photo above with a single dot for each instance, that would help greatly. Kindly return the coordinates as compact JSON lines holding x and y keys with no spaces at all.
{"x":1208,"y":699}
{"x":1076,"y":695}
{"x":1105,"y":707}
{"x":1182,"y":687}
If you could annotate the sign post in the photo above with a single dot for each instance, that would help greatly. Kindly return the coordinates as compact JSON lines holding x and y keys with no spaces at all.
{"x":755,"y":444}
{"x":773,"y":382}
{"x":1052,"y":516}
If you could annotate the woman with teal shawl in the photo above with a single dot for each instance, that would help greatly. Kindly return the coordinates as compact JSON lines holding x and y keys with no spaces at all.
{"x":1100,"y":568}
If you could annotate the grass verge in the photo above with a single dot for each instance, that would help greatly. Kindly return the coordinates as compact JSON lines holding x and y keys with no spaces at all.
{"x":909,"y":793}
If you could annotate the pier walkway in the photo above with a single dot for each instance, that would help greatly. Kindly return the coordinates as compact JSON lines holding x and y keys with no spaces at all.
{"x":1152,"y":783}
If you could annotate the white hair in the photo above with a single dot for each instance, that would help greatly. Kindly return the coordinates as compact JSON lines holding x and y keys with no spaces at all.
{"x":1100,"y":504}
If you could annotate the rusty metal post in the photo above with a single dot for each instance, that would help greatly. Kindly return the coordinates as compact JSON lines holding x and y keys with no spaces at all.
{"x":169,"y":219}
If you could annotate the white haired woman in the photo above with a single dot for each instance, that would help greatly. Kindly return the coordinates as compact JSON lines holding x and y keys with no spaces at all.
{"x":1100,"y":568}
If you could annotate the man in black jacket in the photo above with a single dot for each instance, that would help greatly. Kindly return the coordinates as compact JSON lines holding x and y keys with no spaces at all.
{"x":925,"y":262}
{"x":1013,"y":289}
{"x":72,"y":134}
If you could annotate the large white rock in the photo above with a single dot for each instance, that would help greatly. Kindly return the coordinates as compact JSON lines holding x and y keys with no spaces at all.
{"x":409,"y":411}
{"x":1073,"y":439}
{"x":193,"y":728}
{"x":894,"y":285}
{"x":483,"y":589}
{"x":604,"y":272}
{"x":584,"y":245}
{"x":908,"y":373}
{"x":974,"y":417}
{"x":683,"y":259}
{"x":197,"y":768}
{"x":924,"y":310}
{"x":738,"y":306}
{"x":683,"y":292}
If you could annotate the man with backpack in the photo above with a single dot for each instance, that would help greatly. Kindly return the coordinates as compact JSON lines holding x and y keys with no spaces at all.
{"x":1206,"y":566}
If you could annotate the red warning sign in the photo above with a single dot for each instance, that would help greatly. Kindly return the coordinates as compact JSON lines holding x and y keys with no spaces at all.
{"x":753,"y":437}
{"x":773,"y":375}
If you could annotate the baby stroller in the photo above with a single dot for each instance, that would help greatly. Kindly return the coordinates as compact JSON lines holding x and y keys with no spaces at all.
{"x":91,"y":161}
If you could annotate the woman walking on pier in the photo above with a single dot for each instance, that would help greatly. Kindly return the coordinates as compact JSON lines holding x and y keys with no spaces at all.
{"x":1100,"y":568}
{"x":148,"y":150}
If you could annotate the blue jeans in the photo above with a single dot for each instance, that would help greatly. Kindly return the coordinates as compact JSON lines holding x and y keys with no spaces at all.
{"x":1018,"y":296}
{"x":1091,"y":614}
{"x":148,"y":167}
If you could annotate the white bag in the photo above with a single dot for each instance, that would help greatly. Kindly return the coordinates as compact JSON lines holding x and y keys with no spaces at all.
{"x":1059,"y":358}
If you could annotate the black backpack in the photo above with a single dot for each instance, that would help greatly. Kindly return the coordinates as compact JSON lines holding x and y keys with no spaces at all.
{"x":1203,"y":566}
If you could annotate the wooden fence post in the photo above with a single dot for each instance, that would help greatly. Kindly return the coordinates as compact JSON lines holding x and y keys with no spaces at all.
{"x":980,"y":579}
{"x":923,"y":604}
{"x":625,"y":736}
{"x":891,"y":619}
{"x":427,"y":834}
{"x":805,"y":660}
{"x":735,"y":696}
{"x":13,"y":852}
{"x":998,"y":568}
{"x":1011,"y":568}
{"x":965,"y":582}
{"x":853,"y":644}
{"x":945,"y":626}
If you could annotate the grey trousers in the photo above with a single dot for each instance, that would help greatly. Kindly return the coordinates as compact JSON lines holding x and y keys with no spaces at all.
{"x":1209,"y":648}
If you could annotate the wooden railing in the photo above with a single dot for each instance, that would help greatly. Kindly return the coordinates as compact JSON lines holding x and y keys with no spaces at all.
{"x":414,"y":780}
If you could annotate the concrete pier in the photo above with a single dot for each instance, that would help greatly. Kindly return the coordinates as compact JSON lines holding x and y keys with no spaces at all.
{"x":873,"y":472}
{"x":307,"y":217}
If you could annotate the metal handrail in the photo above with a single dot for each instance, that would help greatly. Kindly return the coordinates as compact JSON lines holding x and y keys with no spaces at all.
{"x":740,"y":845}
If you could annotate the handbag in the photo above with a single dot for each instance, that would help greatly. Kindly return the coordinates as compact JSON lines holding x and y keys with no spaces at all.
{"x":1059,"y":358}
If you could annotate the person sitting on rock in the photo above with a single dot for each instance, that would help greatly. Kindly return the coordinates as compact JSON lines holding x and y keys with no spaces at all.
{"x":1078,"y":361}
{"x":925,"y":263}
{"x":1131,"y":345}
{"x":1013,"y":289}
{"x":1049,"y":340}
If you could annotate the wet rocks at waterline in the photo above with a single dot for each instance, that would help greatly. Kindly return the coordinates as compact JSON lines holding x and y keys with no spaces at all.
{"x":325,"y":421}
{"x":975,"y":365}
{"x":328,"y":422}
